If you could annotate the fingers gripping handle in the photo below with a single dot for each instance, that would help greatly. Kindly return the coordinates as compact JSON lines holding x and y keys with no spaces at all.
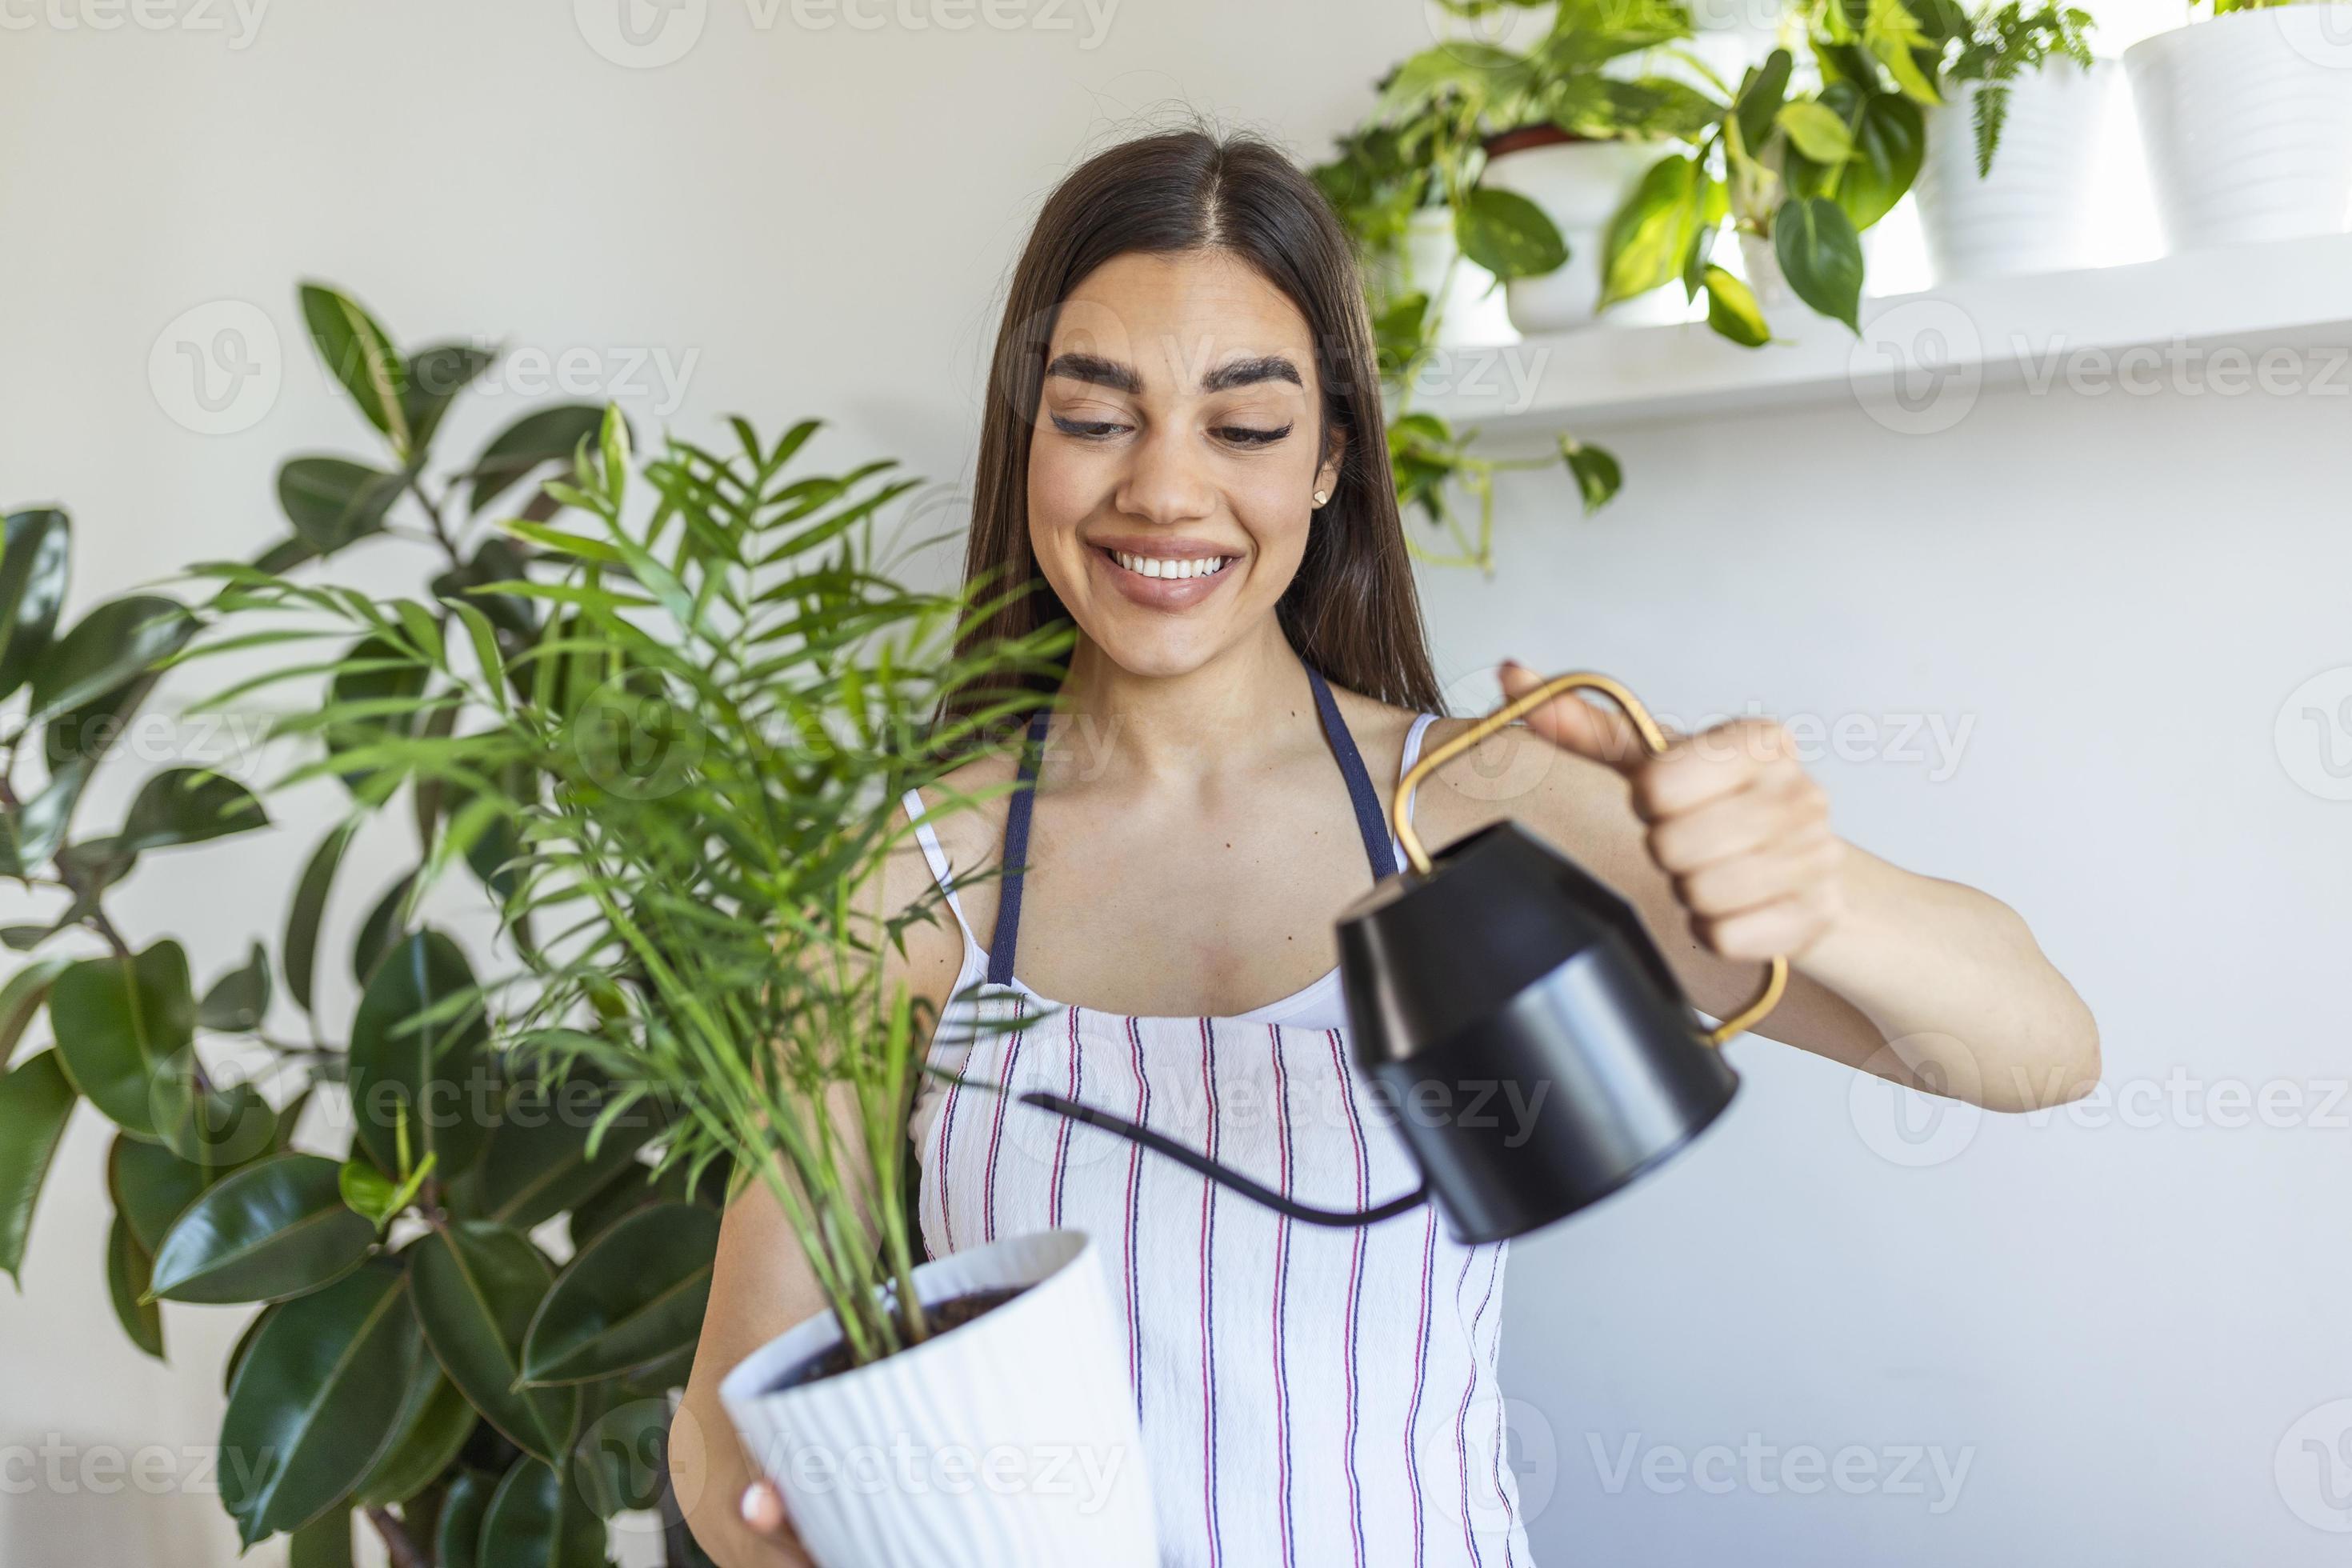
{"x":1776,"y":979}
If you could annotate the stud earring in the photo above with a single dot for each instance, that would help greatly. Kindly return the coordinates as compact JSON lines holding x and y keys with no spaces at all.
{"x":1322,"y":496}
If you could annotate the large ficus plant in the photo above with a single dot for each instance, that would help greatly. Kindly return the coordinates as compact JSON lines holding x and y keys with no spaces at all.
{"x":476,"y":1291}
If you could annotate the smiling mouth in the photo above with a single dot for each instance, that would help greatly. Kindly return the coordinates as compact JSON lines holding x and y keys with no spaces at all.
{"x":1171,"y":569}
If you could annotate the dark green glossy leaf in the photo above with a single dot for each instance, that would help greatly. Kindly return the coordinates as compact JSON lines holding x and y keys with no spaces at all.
{"x":123,"y":1027}
{"x":435,"y":1421}
{"x":188,"y":805}
{"x":325,"y":1542}
{"x":534,"y":441}
{"x":462,"y":1512}
{"x":308,"y":908}
{"x":316,"y":1401}
{"x":36,"y":1100}
{"x":435,"y":376}
{"x":380,"y":929}
{"x":333,"y":502}
{"x":539,"y":1165}
{"x":635,"y":1297}
{"x":478,"y":1285}
{"x":271,"y":1231}
{"x":152,"y":1187}
{"x":1821,"y":256}
{"x":1889,"y":141}
{"x":622,"y":1457}
{"x":1506,"y":234}
{"x":127,"y":1267}
{"x":535,"y":1520}
{"x":35,"y":556}
{"x":628,"y":1190}
{"x":242,"y":1349}
{"x":432,"y":1069}
{"x":107,"y":649}
{"x":359,"y":354}
{"x":239,"y":1000}
{"x":217,"y":1127}
{"x":22,"y":999}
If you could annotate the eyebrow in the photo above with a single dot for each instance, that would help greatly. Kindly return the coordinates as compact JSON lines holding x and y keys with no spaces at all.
{"x":1099,"y":372}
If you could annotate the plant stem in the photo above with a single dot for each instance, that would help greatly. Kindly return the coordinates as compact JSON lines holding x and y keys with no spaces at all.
{"x":404,"y":1551}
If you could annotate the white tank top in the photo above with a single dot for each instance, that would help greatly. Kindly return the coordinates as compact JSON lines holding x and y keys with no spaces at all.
{"x":1307,"y":1395}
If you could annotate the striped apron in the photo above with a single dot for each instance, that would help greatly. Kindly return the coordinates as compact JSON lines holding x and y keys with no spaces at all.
{"x":1307,"y":1394}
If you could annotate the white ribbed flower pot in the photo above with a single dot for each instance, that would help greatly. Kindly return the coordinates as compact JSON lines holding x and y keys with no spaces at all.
{"x":2032,"y":213}
{"x":1579,"y":185}
{"x":1474,"y":313}
{"x":1007,"y":1442}
{"x":2247,"y":120}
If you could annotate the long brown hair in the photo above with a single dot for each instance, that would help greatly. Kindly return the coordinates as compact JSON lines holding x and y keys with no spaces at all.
{"x":1351,"y":612}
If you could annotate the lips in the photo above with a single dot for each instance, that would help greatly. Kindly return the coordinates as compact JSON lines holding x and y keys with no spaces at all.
{"x":1163,"y":574}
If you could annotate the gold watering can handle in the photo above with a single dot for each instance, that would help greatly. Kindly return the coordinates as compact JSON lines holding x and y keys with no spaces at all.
{"x":1776,"y":979}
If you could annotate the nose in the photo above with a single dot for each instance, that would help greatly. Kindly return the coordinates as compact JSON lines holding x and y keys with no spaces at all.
{"x":1164,"y":481}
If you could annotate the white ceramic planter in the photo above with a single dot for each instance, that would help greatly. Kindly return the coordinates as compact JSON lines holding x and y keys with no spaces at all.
{"x":1007,"y":1442}
{"x":1579,"y":185}
{"x":2247,"y":120}
{"x":1475,"y":312}
{"x":2032,"y":213}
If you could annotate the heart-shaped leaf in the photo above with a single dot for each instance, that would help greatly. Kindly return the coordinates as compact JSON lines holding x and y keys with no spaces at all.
{"x":1732,"y":310}
{"x":36,"y":1100}
{"x":1821,"y":256}
{"x":1508,"y":234}
{"x":416,"y":1054}
{"x":271,"y":1231}
{"x":127,"y":1267}
{"x":535,"y":1520}
{"x":478,"y":1285}
{"x":635,"y":1296}
{"x":315,"y":1400}
{"x":124,"y":1028}
{"x":35,"y":554}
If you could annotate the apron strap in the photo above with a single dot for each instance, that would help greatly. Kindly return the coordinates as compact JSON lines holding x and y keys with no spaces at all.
{"x":1370,"y":821}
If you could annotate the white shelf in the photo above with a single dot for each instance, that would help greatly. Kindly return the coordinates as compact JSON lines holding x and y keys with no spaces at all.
{"x":2284,"y":294}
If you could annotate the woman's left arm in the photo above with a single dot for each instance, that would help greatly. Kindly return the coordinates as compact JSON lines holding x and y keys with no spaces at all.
{"x":1728,"y":853}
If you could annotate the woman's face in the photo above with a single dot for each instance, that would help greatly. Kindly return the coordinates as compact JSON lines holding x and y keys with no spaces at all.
{"x":1175,"y":465}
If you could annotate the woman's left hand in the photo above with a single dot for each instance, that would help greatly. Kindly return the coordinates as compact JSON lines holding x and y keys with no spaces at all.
{"x":1734,"y":820}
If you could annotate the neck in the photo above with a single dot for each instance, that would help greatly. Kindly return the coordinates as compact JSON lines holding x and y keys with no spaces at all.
{"x":1240,"y":704}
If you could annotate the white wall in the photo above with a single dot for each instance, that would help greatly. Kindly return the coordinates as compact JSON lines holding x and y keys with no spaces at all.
{"x":2115,"y":1324}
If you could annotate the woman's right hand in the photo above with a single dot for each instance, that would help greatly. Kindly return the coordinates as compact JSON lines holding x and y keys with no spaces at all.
{"x":762,"y":1512}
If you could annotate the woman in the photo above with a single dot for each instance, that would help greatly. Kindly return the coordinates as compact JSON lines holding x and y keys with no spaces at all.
{"x":1183,"y":437}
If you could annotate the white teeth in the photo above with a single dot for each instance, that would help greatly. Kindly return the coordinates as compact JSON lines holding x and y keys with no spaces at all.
{"x":1188,"y":566}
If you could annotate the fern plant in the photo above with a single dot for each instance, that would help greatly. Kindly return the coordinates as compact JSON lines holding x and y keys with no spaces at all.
{"x":2004,"y":42}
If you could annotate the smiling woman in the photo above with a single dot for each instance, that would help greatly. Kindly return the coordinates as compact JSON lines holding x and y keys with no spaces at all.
{"x":1183,"y":450}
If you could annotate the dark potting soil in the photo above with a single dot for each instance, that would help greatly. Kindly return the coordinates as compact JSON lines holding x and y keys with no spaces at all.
{"x":942,"y":1316}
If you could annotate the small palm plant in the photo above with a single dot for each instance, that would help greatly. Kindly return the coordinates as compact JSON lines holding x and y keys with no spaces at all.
{"x":698,"y":763}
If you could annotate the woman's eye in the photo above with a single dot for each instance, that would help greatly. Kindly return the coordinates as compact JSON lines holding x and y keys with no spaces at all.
{"x":1093,"y":429}
{"x":1251,"y":436}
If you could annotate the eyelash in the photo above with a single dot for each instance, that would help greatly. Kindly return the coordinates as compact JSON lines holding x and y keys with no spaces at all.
{"x":1238,"y":434}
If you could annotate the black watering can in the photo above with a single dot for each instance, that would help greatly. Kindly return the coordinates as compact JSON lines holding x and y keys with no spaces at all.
{"x":1536,"y":1046}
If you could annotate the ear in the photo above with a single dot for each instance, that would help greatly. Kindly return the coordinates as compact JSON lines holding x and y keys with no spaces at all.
{"x":1327,"y":476}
